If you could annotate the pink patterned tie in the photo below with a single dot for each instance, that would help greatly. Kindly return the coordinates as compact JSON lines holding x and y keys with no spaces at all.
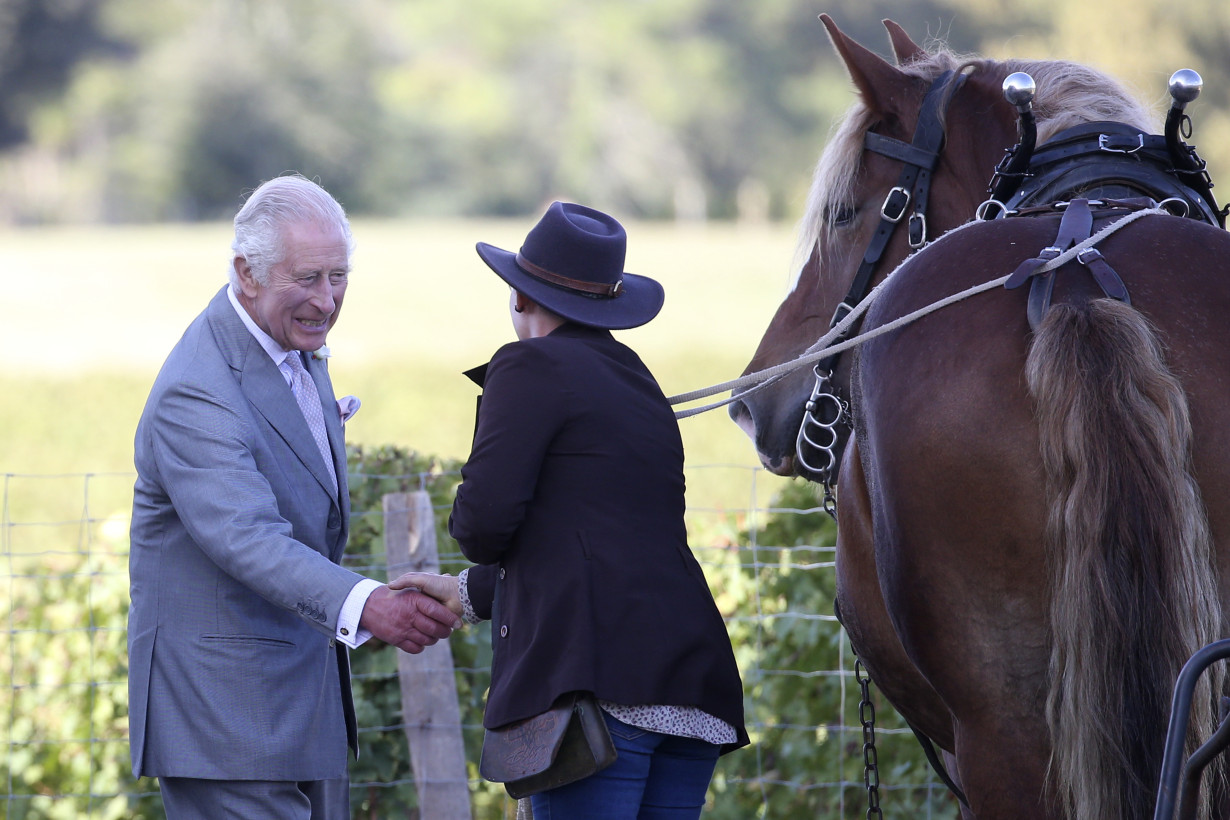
{"x":304,"y":388}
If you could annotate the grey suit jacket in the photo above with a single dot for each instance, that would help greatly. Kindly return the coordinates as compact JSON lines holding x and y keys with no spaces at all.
{"x":236,"y":587}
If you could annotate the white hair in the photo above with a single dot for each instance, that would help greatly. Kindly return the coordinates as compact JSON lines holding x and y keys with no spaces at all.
{"x":286,"y":200}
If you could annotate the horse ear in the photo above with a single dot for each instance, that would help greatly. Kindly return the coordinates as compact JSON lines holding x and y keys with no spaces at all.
{"x":907,"y":50}
{"x":880,"y":83}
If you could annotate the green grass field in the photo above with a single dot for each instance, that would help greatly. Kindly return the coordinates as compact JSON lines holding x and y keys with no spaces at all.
{"x":91,"y":313}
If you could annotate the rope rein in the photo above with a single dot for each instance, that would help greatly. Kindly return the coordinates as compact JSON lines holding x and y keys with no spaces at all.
{"x":763,"y":378}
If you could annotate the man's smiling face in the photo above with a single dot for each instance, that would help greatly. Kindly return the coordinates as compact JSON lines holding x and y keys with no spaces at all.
{"x":302,"y":297}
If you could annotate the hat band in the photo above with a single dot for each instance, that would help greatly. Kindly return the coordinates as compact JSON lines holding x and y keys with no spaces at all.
{"x":595,"y":288}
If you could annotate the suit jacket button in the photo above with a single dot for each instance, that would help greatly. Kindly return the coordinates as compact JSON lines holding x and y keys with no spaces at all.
{"x":504,"y":631}
{"x":335,"y":520}
{"x":502,"y":573}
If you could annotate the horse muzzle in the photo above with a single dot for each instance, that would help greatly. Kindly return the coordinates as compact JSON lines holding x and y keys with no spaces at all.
{"x":772,"y":423}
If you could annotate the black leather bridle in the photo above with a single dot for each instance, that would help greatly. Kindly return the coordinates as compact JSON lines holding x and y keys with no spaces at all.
{"x":826,"y":426}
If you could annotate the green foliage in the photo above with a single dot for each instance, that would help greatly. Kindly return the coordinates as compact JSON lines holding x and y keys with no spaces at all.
{"x":795,"y":708}
{"x":67,"y":694}
{"x":383,"y":750}
{"x":653,"y":109}
{"x":673,"y":108}
{"x":66,"y":699}
{"x":771,"y":583}
{"x":40,"y":43}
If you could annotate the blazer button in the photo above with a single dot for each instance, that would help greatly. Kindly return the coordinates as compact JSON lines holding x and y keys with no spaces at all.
{"x":502,"y":573}
{"x":504,"y":631}
{"x":335,"y":520}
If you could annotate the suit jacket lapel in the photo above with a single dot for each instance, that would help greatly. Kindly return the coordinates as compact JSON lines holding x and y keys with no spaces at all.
{"x":263,"y":384}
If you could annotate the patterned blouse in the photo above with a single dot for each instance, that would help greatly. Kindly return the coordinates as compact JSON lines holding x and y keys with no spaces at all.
{"x":679,"y":721}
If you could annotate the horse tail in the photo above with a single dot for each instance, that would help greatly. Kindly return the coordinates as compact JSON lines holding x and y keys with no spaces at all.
{"x":1133,"y":584}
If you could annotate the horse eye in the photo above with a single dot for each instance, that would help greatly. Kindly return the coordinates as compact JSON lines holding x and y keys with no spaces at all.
{"x":839,"y":216}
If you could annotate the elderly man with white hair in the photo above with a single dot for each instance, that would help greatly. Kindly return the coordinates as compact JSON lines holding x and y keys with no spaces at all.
{"x":242,"y":615}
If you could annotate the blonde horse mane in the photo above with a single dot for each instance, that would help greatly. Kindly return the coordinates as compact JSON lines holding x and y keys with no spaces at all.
{"x":1067,"y":94}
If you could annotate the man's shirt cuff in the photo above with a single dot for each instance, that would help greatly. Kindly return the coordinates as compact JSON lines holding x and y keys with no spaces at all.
{"x":348,"y":631}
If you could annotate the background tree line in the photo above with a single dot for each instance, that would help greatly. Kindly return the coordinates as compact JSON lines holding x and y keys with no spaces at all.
{"x":135,"y":110}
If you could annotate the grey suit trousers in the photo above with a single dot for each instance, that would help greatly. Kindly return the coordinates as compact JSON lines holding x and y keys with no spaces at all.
{"x":186,"y":798}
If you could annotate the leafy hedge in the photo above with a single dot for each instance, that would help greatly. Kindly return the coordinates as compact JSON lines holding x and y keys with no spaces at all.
{"x":66,"y":702}
{"x":804,"y":762}
{"x":383,"y":751}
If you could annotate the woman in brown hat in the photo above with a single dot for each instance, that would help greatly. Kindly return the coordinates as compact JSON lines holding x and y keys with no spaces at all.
{"x":571,"y":505}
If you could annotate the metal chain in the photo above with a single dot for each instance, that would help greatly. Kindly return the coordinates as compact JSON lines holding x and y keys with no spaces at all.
{"x":867,"y":718}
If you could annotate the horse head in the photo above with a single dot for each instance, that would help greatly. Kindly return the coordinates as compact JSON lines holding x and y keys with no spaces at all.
{"x":853,"y":188}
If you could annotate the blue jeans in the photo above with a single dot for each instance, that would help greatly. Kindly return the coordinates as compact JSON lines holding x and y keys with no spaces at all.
{"x":656,"y":777}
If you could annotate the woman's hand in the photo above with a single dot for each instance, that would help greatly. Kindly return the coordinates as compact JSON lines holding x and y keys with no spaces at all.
{"x":441,"y":587}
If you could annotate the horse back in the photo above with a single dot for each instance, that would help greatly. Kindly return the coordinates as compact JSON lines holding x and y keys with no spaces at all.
{"x":952,"y":438}
{"x":966,"y":359}
{"x":943,"y":413}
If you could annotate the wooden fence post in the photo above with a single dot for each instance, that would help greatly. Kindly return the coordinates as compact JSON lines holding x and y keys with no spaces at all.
{"x":429,"y":706}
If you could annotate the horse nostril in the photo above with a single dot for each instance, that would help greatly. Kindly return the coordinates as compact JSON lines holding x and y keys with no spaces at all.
{"x":741,"y":415}
{"x":779,"y":465}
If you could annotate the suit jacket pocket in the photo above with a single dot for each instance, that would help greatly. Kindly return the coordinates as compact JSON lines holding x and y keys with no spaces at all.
{"x":240,"y":640}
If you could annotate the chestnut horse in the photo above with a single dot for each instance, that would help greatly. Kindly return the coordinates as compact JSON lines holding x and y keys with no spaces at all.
{"x":1032,"y":523}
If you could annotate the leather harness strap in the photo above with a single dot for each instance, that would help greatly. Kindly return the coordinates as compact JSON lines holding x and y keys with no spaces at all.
{"x":1075,"y":226}
{"x":937,"y":765}
{"x":920,"y":156}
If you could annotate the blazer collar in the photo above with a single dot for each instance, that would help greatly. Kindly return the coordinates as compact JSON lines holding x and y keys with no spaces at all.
{"x":570,"y":330}
{"x":264,"y":386}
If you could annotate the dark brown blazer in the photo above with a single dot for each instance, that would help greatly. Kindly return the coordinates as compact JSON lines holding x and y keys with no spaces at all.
{"x":572,"y":504}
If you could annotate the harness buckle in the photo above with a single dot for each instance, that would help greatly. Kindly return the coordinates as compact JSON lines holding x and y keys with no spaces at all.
{"x":1088,"y":255}
{"x":918,"y":230}
{"x":843,"y":310}
{"x":1105,"y":144}
{"x":895,"y":203}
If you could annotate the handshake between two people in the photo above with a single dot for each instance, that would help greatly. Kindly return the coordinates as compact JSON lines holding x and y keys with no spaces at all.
{"x":413,"y":611}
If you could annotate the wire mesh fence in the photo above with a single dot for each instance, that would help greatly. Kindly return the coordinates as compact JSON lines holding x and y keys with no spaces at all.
{"x":63,"y":667}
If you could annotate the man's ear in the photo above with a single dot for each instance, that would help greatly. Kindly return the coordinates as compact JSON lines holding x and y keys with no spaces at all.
{"x":248,"y":285}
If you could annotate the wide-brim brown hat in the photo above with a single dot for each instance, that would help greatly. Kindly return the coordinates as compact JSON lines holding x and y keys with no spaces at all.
{"x":572,"y":263}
